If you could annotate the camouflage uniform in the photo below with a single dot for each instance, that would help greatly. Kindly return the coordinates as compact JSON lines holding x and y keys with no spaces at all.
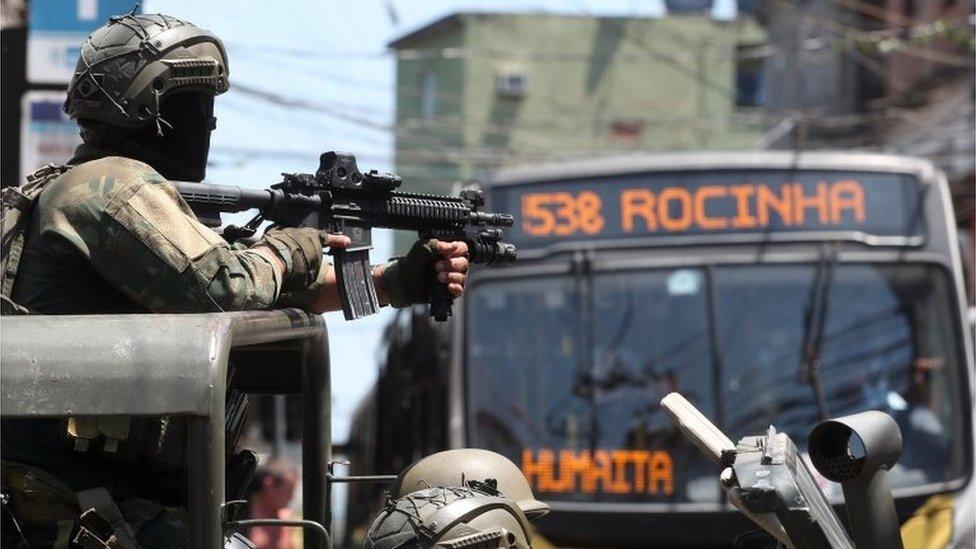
{"x":112,"y":236}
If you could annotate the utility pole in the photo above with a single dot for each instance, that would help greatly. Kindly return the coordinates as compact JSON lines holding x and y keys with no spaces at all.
{"x":13,"y":64}
{"x":702,"y":106}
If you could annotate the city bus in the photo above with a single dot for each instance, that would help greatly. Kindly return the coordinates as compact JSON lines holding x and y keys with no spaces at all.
{"x":768,"y":288}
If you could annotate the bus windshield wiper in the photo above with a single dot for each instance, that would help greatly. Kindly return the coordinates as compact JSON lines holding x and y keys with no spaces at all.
{"x":814,"y":325}
{"x":604,"y":374}
{"x":588,"y":382}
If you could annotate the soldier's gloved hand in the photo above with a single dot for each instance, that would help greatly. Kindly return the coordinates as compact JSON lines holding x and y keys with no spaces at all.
{"x":408,"y":280}
{"x":301,"y":251}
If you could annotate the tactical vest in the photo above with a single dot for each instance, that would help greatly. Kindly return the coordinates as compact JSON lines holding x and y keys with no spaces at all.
{"x":16,"y":206}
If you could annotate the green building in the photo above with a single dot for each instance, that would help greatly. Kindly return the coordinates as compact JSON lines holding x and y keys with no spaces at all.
{"x":476,"y":91}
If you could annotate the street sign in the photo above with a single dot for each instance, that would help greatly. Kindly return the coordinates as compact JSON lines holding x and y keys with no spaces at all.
{"x":46,"y":133}
{"x":56,"y":30}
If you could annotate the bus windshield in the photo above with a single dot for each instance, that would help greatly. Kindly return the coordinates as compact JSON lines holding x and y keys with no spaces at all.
{"x":565,"y":372}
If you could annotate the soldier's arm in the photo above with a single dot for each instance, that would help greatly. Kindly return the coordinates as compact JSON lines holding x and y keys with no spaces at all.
{"x":149,"y":245}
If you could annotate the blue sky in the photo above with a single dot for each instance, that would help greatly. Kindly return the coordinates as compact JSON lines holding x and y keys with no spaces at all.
{"x":330,"y":55}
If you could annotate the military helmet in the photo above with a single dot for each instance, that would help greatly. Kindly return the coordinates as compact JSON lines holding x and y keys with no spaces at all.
{"x":457,"y":467}
{"x":475,"y":517}
{"x":126,"y":67}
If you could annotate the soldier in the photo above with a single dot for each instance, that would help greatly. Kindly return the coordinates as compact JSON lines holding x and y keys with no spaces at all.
{"x":464,"y":498}
{"x":109,"y":234}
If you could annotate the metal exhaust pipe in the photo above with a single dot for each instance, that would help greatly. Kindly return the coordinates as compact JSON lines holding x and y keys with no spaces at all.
{"x":857,"y":451}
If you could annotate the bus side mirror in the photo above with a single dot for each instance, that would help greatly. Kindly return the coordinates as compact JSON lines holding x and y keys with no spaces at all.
{"x":857,"y":451}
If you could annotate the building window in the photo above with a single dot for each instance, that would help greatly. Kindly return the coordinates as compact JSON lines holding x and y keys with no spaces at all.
{"x":748,"y":81}
{"x":911,"y":9}
{"x":428,"y":94}
{"x":511,"y":84}
{"x":628,"y":131}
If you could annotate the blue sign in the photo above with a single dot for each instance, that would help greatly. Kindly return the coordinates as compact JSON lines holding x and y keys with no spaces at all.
{"x":56,"y":30}
{"x":46,"y":134}
{"x":78,"y":16}
{"x":47,"y":111}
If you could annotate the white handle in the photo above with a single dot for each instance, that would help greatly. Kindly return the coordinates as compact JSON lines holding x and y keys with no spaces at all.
{"x":712,"y":442}
{"x":702,"y":432}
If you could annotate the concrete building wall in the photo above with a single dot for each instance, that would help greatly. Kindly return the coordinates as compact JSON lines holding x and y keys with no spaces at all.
{"x":604,"y":85}
{"x":429,"y":142}
{"x":595,"y":86}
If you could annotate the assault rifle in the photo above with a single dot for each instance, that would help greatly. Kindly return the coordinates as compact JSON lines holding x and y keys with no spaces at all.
{"x":342,"y":200}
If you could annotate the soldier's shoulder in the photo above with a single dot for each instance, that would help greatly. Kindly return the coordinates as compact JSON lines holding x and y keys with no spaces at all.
{"x":122,"y":170}
{"x":96,"y":186}
{"x":106,"y":179}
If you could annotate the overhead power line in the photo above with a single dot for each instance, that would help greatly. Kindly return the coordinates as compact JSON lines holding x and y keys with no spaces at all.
{"x":884,"y":40}
{"x":440,"y":138}
{"x":881,"y":14}
{"x":445,"y":130}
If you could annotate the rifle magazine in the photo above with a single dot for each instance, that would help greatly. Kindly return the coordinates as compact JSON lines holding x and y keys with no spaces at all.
{"x":356,"y":290}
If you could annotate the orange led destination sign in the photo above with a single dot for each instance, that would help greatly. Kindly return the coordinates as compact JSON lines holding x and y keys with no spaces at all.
{"x":721,"y":202}
{"x":676,"y":209}
{"x":636,"y":472}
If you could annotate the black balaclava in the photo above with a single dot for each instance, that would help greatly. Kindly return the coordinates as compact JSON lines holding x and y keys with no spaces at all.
{"x":178,"y":144}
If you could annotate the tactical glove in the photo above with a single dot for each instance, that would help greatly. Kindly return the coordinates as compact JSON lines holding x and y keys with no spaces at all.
{"x":407,"y":280}
{"x":301,"y":250}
